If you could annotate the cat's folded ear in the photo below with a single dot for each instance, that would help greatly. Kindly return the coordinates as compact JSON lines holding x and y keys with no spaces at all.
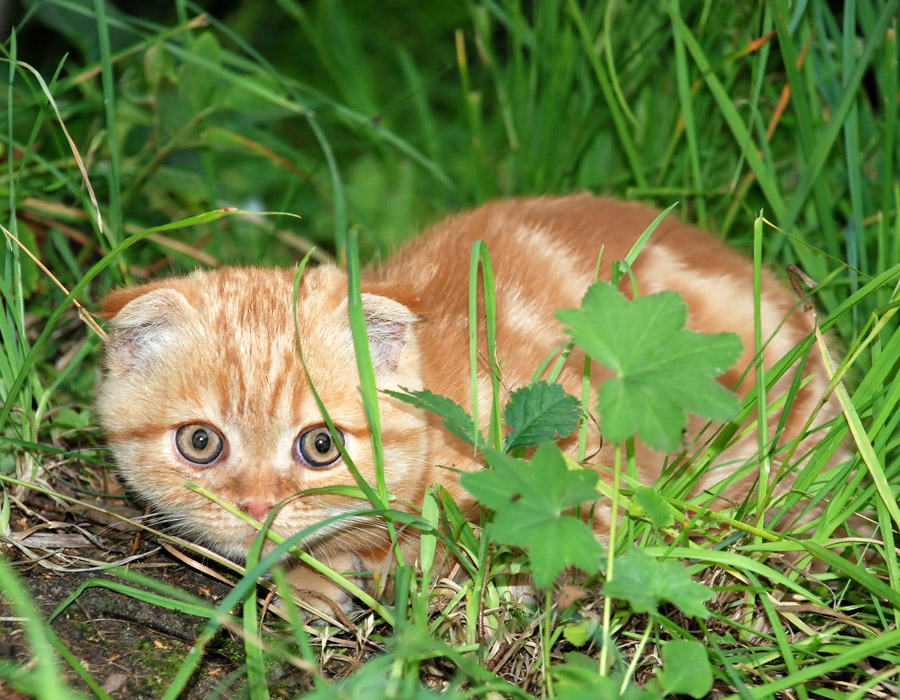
{"x":142,"y":320}
{"x":390,"y":318}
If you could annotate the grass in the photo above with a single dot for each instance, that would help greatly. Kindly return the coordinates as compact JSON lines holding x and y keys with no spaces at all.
{"x":369,"y":124}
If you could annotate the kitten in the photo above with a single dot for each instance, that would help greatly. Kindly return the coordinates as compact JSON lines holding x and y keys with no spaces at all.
{"x":203,"y":379}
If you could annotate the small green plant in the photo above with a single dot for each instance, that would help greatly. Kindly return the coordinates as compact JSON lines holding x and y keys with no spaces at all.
{"x":661,"y":372}
{"x":530,"y":501}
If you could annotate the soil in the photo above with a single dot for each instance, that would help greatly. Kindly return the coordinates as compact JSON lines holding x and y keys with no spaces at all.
{"x":131,"y":648}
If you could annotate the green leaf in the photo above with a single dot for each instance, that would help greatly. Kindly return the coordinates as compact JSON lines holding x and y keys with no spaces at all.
{"x":579,"y":679}
{"x":203,"y":88}
{"x":662,"y":369}
{"x":578,"y":633}
{"x":375,"y":680}
{"x":686,"y":669}
{"x":656,"y":507}
{"x":600,"y":688}
{"x":158,"y":66}
{"x":539,"y":412}
{"x":456,"y":420}
{"x":646,"y":583}
{"x":529,"y":500}
{"x":457,"y":522}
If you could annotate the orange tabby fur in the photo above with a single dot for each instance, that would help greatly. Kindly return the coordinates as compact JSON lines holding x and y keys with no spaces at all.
{"x":218,"y":348}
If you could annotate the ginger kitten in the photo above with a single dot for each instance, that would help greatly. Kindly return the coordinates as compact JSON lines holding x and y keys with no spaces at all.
{"x":204,"y":382}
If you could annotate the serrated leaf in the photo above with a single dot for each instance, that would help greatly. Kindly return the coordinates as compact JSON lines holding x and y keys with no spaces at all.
{"x":686,"y":669}
{"x":456,"y":420}
{"x":539,"y":412}
{"x":529,"y":500}
{"x":663,"y":370}
{"x":646,"y":583}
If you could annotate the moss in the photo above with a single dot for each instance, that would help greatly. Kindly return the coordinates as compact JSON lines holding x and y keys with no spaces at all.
{"x":154,"y":664}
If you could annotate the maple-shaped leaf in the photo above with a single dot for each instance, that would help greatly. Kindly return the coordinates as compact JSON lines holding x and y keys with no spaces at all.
{"x":662,"y":369}
{"x":456,"y":420}
{"x":539,"y":412}
{"x":529,"y":500}
{"x":646,"y":583}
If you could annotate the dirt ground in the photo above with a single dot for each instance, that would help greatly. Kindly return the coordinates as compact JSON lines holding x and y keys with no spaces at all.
{"x":131,"y":648}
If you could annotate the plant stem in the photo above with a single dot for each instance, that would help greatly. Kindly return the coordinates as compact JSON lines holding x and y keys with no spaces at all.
{"x":548,"y":621}
{"x":610,"y":553}
{"x":634,"y":659}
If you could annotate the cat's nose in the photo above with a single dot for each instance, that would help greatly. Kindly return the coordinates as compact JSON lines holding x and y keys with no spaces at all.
{"x":256,"y":509}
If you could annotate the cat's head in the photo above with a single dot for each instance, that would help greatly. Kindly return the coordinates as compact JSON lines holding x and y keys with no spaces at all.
{"x":204,"y":382}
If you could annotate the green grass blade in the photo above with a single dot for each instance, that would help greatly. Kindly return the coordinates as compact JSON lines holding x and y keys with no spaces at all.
{"x":690,"y":126}
{"x":826,"y":139}
{"x":46,"y":676}
{"x":109,"y":102}
{"x":619,"y":120}
{"x":765,"y":463}
{"x":481,"y":257}
{"x":730,"y":113}
{"x":870,"y":647}
{"x":364,"y":364}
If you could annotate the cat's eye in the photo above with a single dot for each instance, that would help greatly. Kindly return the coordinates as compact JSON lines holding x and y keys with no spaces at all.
{"x":199,"y":443}
{"x":317,"y":448}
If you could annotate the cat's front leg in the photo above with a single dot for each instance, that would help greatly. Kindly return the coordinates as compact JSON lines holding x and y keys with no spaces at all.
{"x":318,"y":590}
{"x":368,"y":568}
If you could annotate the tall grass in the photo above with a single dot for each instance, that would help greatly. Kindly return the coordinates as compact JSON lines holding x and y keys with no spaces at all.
{"x":368,"y":124}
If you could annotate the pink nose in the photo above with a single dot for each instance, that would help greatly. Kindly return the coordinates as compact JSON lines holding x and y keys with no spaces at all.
{"x":257,"y":509}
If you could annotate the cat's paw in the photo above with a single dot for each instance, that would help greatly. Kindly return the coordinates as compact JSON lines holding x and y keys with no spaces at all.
{"x":323,"y":595}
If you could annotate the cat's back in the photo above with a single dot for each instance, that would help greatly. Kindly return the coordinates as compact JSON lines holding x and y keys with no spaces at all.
{"x":543,"y":242}
{"x":544,"y":254}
